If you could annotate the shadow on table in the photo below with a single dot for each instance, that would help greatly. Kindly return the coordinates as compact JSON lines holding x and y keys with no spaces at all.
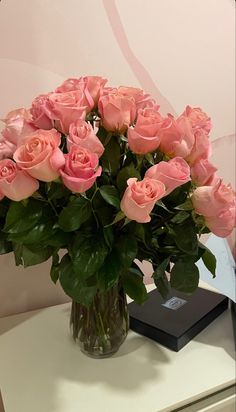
{"x":127,"y":370}
{"x":43,"y":356}
{"x":214,"y":335}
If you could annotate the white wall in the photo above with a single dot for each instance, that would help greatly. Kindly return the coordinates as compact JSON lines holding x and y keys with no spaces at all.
{"x":181,"y":51}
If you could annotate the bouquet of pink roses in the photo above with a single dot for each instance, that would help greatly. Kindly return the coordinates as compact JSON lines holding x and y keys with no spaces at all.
{"x":99,"y":172}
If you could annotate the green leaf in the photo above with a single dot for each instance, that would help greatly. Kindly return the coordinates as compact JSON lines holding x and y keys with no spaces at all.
{"x":209,"y":260}
{"x":102,"y":210}
{"x":149,"y":158}
{"x":75,"y":214}
{"x":162,"y":285}
{"x":120,"y":216}
{"x":127,"y":248}
{"x":187,"y":205}
{"x":130,"y":158}
{"x":124,"y":174}
{"x":110,"y":271}
{"x":140,"y":232}
{"x":104,"y":135}
{"x":4,"y":205}
{"x":5,"y":245}
{"x":110,"y":195}
{"x":105,"y":215}
{"x":161,"y":268}
{"x":160,"y":278}
{"x":163,"y":206}
{"x":58,"y":239}
{"x":72,"y":285}
{"x":21,"y":218}
{"x":185,"y":276}
{"x":17,"y":249}
{"x":185,"y":237}
{"x":111,"y":157}
{"x":180,"y":217}
{"x":88,"y":254}
{"x":121,"y":257}
{"x":55,"y":272}
{"x":33,"y":255}
{"x":58,"y":191}
{"x":179,"y":195}
{"x":108,"y":236}
{"x":134,"y":286}
{"x":36,"y":234}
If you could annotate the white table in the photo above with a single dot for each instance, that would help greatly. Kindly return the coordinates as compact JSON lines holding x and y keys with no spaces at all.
{"x":42,"y":370}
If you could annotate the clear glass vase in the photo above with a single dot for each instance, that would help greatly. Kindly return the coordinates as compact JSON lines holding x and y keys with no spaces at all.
{"x":101,"y":328}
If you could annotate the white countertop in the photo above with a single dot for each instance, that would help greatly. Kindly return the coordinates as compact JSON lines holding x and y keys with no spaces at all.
{"x":43,"y":370}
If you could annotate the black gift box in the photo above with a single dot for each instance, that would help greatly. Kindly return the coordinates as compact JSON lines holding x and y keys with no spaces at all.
{"x":175,"y":321}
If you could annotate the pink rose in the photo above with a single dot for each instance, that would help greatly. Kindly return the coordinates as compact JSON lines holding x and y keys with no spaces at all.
{"x":212,"y":200}
{"x":177,"y":138}
{"x":40,"y":155}
{"x":198,"y":119}
{"x":92,"y":87}
{"x":144,"y":137}
{"x":108,"y":90}
{"x":40,"y":112}
{"x":6,"y":148}
{"x":94,"y":84}
{"x":66,"y":108}
{"x":172,"y":174}
{"x":82,"y":134}
{"x":222,"y":224}
{"x":142,"y":100}
{"x":80,"y":170}
{"x":69,"y":85}
{"x":140,"y":197}
{"x":15,"y":184}
{"x":117,"y":112}
{"x":77,"y":85}
{"x":201,"y":149}
{"x":21,"y":112}
{"x":18,"y":124}
{"x":203,"y":173}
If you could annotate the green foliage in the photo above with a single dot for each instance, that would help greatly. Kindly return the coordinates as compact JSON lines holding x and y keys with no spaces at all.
{"x":88,"y":254}
{"x":21,"y":217}
{"x":208,"y":258}
{"x":17,"y":249}
{"x":36,"y":234}
{"x":160,"y":278}
{"x":125,"y":174}
{"x":71,"y":283}
{"x":75,"y":214}
{"x":119,"y":216}
{"x":34,"y":254}
{"x":108,"y":236}
{"x":5,"y":245}
{"x":184,"y":276}
{"x":98,"y":241}
{"x":134,"y":286}
{"x":185,"y":236}
{"x":57,"y":190}
{"x":178,"y":196}
{"x":55,"y":271}
{"x":120,"y":258}
{"x":110,"y":195}
{"x":111,"y":158}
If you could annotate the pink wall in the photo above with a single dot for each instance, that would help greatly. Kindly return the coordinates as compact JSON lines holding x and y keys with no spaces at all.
{"x":180,"y":51}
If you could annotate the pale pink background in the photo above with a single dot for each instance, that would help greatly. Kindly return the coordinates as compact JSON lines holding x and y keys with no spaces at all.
{"x":179,"y":51}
